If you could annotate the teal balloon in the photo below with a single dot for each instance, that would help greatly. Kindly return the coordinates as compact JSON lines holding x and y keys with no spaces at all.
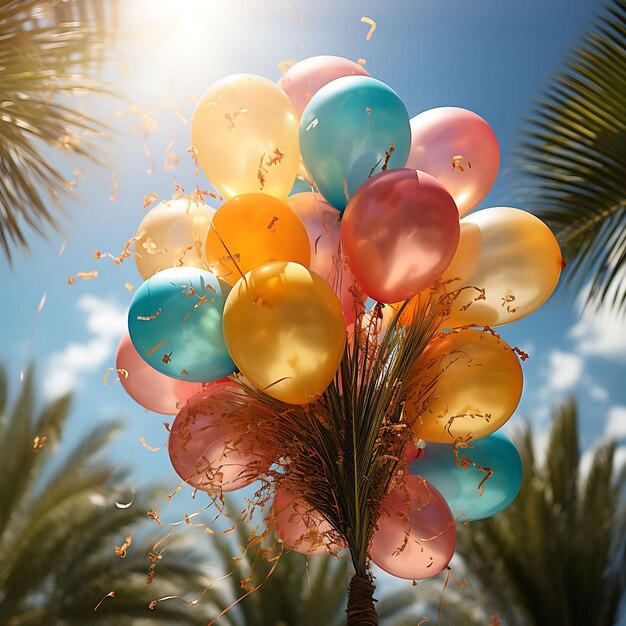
{"x":175,"y":323}
{"x":300,"y":186}
{"x":345,"y":131}
{"x":460,"y":486}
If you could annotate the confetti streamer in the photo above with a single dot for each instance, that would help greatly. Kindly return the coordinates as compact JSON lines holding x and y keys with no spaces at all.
{"x":40,"y":307}
{"x":142,"y":441}
{"x":111,"y":594}
{"x":372,"y":23}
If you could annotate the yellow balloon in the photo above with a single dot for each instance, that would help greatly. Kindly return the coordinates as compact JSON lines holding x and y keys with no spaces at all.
{"x":246,"y":132}
{"x":285,"y":330}
{"x":251,"y":230}
{"x":174,"y":235}
{"x":466,"y":385}
{"x":513,"y":256}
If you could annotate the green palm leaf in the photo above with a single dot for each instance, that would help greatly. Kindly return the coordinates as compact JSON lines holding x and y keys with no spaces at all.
{"x":575,"y":152}
{"x":59,"y":525}
{"x":47,"y":48}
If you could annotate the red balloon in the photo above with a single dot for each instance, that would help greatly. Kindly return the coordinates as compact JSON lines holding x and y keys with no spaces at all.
{"x":416,"y":536}
{"x":300,"y":527}
{"x":399,"y":231}
{"x":149,"y":388}
{"x":322,"y":223}
{"x":206,"y":448}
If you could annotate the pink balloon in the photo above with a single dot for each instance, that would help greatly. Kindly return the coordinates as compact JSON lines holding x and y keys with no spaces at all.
{"x":149,"y":388}
{"x":399,"y":231}
{"x":416,"y":536}
{"x":322,"y":224}
{"x":206,"y":450}
{"x":304,"y":79}
{"x":459,"y":149}
{"x":300,"y":527}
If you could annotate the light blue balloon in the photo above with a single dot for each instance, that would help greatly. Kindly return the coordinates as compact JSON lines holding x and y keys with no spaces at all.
{"x":180,"y":311}
{"x":300,"y":186}
{"x":460,"y":486}
{"x":345,"y":130}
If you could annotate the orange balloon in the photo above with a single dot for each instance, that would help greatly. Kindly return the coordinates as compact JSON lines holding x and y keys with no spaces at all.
{"x":251,"y":230}
{"x":466,"y":385}
{"x":285,"y":330}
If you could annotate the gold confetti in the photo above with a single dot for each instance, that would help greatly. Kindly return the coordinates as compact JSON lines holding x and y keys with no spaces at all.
{"x":87,"y":275}
{"x":42,"y":303}
{"x":111,"y":594}
{"x":148,"y":200}
{"x":361,"y":61}
{"x":231,"y":117}
{"x":121,"y":550}
{"x":372,"y":23}
{"x":39,"y":442}
{"x":116,"y":188}
{"x":460,"y":163}
{"x":171,"y":160}
{"x":71,"y":280}
{"x":193,"y":151}
{"x":128,"y":286}
{"x":284,"y":65}
{"x":149,"y":156}
{"x":142,"y":441}
{"x":313,"y":124}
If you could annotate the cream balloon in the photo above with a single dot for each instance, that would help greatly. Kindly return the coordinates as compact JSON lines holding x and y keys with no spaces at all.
{"x":245,"y":129}
{"x":511,"y":255}
{"x":173,"y":235}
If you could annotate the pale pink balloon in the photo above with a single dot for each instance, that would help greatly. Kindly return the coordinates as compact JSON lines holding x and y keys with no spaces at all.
{"x":302,"y":528}
{"x":399,"y":231}
{"x":322,"y":223}
{"x":416,"y":536}
{"x":206,"y":449}
{"x":459,"y":149}
{"x":149,"y":388}
{"x":304,"y":79}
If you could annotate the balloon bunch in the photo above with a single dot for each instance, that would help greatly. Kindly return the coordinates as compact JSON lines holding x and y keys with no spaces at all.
{"x":322,"y":397}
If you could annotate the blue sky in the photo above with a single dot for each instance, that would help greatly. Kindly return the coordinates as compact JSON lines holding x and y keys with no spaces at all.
{"x":490,"y":56}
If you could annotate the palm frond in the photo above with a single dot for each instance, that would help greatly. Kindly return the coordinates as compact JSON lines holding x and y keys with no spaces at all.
{"x":556,"y":555}
{"x":46,"y":50}
{"x":574,"y":150}
{"x":59,"y":526}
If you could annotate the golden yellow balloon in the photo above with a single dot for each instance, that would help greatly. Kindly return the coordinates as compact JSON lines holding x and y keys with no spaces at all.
{"x":285,"y":330}
{"x":513,"y":256}
{"x":174,"y":232}
{"x":465,"y":386}
{"x":251,"y":230}
{"x":246,"y":132}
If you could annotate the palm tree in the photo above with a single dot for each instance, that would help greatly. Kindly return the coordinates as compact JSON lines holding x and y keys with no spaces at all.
{"x":557,"y":554}
{"x":47,"y":50}
{"x":575,"y":153}
{"x":59,"y":528}
{"x":294,"y":593}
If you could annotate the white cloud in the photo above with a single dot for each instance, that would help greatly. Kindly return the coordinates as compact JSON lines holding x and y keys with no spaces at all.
{"x":565,"y":370}
{"x":106,"y":323}
{"x":616,"y":422}
{"x":596,"y":391}
{"x":600,"y":333}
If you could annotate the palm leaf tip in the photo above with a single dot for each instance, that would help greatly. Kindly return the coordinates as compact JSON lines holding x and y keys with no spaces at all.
{"x":574,"y":150}
{"x":46,"y":50}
